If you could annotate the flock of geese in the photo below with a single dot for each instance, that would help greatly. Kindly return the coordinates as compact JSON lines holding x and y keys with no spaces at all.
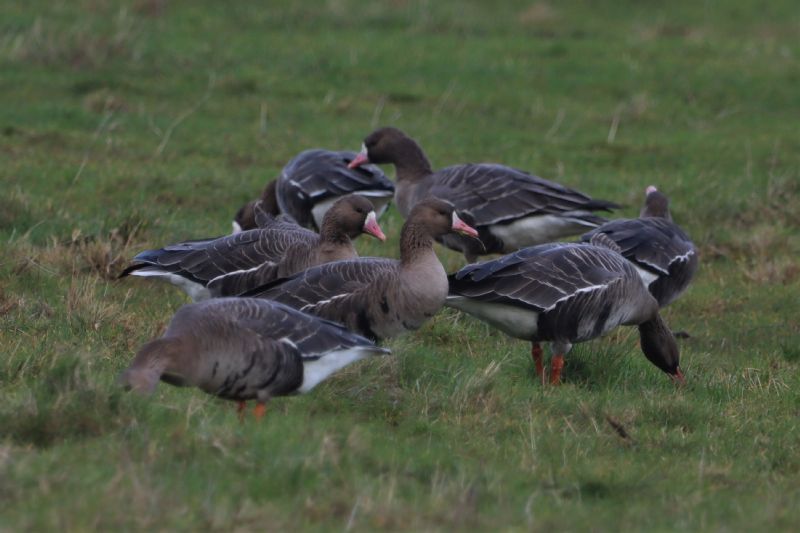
{"x":285,"y":301}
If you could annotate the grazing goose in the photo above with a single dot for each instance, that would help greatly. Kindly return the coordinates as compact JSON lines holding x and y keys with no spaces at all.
{"x":662,"y":253}
{"x":245,"y":218}
{"x":378,"y":297}
{"x":245,"y":349}
{"x":232,"y":264}
{"x":564,"y":294}
{"x":510,"y":208}
{"x":310,"y":184}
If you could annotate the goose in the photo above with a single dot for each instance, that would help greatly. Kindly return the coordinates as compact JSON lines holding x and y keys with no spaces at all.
{"x":245,"y":218}
{"x":311,"y":183}
{"x":662,"y":253}
{"x":377,"y":297}
{"x":245,"y":349}
{"x":234,"y":263}
{"x":510,"y":208}
{"x":565,"y":293}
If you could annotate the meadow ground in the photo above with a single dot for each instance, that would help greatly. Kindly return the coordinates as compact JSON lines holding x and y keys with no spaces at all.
{"x":128,"y":125}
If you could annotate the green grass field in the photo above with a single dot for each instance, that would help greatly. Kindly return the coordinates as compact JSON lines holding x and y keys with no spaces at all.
{"x":129,"y":125}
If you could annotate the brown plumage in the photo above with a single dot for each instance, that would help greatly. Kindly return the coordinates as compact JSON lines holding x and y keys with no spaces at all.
{"x":510,"y":208}
{"x":235,"y":263}
{"x":377,"y":297}
{"x":245,"y":349}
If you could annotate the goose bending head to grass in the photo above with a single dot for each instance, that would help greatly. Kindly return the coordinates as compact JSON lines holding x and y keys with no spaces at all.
{"x":510,"y":208}
{"x":235,"y":263}
{"x":378,"y":297}
{"x":564,"y":294}
{"x":311,"y":183}
{"x":246,"y":349}
{"x":662,"y":253}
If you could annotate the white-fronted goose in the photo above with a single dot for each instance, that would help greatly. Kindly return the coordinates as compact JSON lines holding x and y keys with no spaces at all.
{"x":310,"y":183}
{"x":510,"y":208}
{"x":564,"y":294}
{"x":378,"y":297}
{"x":245,"y":349}
{"x":232,"y":264}
{"x":245,"y":218}
{"x":662,"y":253}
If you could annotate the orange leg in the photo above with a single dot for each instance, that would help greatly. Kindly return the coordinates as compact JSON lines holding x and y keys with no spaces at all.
{"x":240,"y":410}
{"x":536,"y":354}
{"x":556,"y":364}
{"x":260,"y":410}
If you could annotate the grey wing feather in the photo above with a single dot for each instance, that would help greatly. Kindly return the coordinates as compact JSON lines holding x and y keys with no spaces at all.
{"x":240,"y":281}
{"x":319,"y":285}
{"x":652,"y":243}
{"x":202,"y":261}
{"x":318,"y":175}
{"x":312,"y":336}
{"x":493,"y":193}
{"x":540,"y":276}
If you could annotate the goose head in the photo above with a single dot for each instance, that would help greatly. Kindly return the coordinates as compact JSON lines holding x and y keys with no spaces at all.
{"x":383,"y":146}
{"x":439,"y":218}
{"x":354,"y":214}
{"x":656,"y":204}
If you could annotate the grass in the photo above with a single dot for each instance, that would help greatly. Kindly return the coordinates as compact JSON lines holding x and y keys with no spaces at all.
{"x":128,"y":125}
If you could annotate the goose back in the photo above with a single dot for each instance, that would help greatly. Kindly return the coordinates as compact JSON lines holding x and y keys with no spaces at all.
{"x":192,"y":265}
{"x":556,"y":292}
{"x":312,"y":181}
{"x":663,"y":254}
{"x":510,"y":208}
{"x":279,"y":248}
{"x":242,"y":349}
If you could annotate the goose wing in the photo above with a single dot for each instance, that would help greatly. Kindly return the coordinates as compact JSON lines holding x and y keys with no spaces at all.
{"x":202,"y":261}
{"x":314,"y":176}
{"x":654,"y":244}
{"x":540,"y":277}
{"x":312,"y":336}
{"x":493,"y":193}
{"x":340,"y":282}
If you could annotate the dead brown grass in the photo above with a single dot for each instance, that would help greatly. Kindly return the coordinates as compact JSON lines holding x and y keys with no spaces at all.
{"x":102,"y":255}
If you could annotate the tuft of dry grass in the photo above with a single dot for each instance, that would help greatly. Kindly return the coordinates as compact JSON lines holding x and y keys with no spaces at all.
{"x":104,"y":255}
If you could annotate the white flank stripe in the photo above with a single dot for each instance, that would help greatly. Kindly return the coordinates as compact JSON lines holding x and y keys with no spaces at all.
{"x":235,"y":272}
{"x":579,"y":291}
{"x":323,"y":302}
